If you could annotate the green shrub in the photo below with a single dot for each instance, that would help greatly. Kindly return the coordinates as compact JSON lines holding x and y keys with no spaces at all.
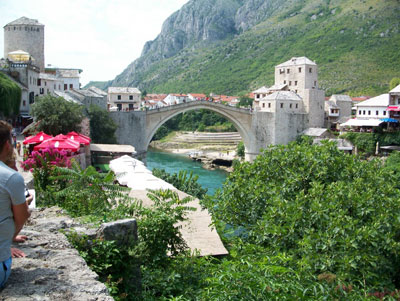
{"x":182,"y":181}
{"x":332,"y":212}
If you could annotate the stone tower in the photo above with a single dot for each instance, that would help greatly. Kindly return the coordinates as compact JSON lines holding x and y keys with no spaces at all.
{"x":300,"y":74}
{"x":27,"y":35}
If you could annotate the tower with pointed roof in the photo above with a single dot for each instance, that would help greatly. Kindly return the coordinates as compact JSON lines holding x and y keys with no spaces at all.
{"x":26,"y":35}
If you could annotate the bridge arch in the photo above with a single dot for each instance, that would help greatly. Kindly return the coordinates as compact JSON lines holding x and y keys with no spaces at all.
{"x":240,"y":118}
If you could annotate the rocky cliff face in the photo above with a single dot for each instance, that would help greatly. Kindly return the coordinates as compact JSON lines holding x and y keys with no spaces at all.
{"x":231,"y":46}
{"x":196,"y":24}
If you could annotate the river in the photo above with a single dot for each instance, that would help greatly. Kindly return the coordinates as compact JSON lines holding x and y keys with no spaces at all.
{"x":173,"y":163}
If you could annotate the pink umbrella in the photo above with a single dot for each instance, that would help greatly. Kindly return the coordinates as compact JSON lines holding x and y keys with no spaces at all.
{"x":82,"y":139}
{"x":38,"y":138}
{"x":59,"y":142}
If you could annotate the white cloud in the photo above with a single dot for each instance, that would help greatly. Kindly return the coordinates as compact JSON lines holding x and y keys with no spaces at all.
{"x":101,"y":37}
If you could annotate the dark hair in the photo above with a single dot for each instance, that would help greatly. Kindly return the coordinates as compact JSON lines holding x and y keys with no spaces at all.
{"x":5,"y":133}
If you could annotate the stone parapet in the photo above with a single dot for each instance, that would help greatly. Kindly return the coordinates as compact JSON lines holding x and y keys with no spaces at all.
{"x":52,"y":268}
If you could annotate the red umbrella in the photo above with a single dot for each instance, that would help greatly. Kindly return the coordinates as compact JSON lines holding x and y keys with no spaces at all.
{"x":59,"y":142}
{"x":38,"y":138}
{"x":82,"y":139}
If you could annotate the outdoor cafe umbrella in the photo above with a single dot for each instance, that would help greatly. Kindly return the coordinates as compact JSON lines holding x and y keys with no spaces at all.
{"x":82,"y":139}
{"x":38,"y":138}
{"x":59,"y":142}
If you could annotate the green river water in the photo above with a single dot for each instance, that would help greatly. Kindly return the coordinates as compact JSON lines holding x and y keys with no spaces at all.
{"x":173,"y":163}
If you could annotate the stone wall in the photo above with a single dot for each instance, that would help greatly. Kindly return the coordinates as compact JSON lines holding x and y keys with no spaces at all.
{"x":52,"y":269}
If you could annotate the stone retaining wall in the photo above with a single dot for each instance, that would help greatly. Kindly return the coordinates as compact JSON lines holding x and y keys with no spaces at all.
{"x":52,"y":268}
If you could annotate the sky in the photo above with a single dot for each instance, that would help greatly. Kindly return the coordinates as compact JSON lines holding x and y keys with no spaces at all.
{"x":102,"y":37}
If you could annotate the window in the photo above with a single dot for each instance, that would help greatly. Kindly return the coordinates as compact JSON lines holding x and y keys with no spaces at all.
{"x":384,"y":113}
{"x":39,"y":82}
{"x":257,"y":96}
{"x":290,"y":83}
{"x":263,"y":105}
{"x":65,"y":87}
{"x":269,"y":105}
{"x":119,"y":97}
{"x":359,"y":112}
{"x":284,"y":82}
{"x":315,"y":83}
{"x":281,"y":71}
{"x":297,"y":105}
{"x":130,"y":97}
{"x":70,"y":86}
{"x":130,"y":106}
{"x":295,"y":82}
{"x":119,"y":106}
{"x":290,"y":106}
{"x":363,"y":112}
{"x":45,"y":83}
{"x":287,"y":71}
{"x":299,"y":69}
{"x":369,"y":112}
{"x":310,"y":70}
{"x":24,"y":103}
{"x":281,"y":105}
{"x":41,"y":90}
{"x":31,"y":97}
{"x":377,"y":113}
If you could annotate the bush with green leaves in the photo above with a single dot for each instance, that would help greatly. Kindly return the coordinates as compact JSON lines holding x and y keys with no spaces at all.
{"x":55,"y":115}
{"x":86,"y":191}
{"x":102,"y":127}
{"x":10,"y":97}
{"x":182,"y":181}
{"x":332,"y":212}
{"x":240,"y":150}
{"x":159,"y":243}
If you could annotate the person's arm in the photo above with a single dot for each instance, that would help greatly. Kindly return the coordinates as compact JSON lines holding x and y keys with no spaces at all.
{"x":21,"y":214}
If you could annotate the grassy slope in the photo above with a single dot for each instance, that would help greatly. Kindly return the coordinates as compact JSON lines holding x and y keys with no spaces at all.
{"x":346,"y":44}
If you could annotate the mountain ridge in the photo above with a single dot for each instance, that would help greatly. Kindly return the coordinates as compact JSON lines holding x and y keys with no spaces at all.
{"x":231,"y":47}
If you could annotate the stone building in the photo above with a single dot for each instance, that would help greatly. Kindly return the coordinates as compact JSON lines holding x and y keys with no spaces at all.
{"x":295,"y":91}
{"x":27,"y":35}
{"x":123,"y":99}
{"x":337,"y":110}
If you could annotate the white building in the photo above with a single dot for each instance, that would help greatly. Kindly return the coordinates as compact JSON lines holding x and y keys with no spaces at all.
{"x":70,"y":77}
{"x":123,"y":98}
{"x":49,"y":83}
{"x":174,"y":99}
{"x":373,"y":108}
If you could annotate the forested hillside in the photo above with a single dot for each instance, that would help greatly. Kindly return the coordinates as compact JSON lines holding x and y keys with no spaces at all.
{"x":232,"y":46}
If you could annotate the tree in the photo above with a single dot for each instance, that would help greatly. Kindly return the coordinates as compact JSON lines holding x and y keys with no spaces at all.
{"x":57,"y":115}
{"x":10,"y":96}
{"x":394,"y":83}
{"x":102,"y":127}
{"x":331,"y":212}
{"x":240,"y":149}
{"x":245,"y":101}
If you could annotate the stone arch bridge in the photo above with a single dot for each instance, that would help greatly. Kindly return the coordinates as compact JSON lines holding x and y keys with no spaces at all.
{"x":258,"y":129}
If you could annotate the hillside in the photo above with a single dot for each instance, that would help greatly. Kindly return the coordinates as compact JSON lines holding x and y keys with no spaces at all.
{"x":232,"y":46}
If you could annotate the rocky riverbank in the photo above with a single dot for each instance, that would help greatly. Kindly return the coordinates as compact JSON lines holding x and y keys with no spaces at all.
{"x":214,"y":150}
